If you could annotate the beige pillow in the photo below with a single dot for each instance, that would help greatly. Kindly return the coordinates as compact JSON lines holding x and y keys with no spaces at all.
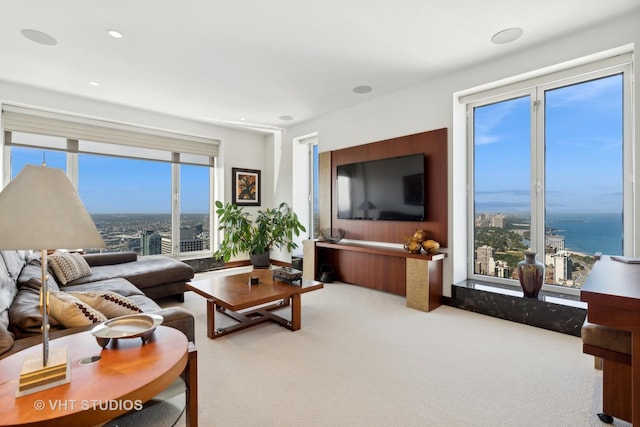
{"x":68,"y":266}
{"x":108,"y":303}
{"x":71,"y":312}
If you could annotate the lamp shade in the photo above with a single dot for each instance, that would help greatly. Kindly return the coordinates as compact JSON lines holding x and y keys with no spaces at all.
{"x":40,"y":210}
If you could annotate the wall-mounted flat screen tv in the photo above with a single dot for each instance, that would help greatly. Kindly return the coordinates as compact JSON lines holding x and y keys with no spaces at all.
{"x":383,"y":189}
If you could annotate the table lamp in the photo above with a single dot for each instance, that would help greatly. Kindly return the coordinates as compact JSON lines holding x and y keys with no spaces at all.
{"x":40,"y":210}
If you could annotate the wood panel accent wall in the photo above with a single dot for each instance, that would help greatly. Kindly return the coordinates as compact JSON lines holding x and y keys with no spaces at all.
{"x":434,"y":146}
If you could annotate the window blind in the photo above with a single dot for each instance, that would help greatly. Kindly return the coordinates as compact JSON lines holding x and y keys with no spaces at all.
{"x":23,"y":119}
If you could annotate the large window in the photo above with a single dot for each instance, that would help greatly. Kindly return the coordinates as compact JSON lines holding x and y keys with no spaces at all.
{"x":129,"y":200}
{"x":142,"y":198}
{"x":195,"y":205}
{"x":548,"y":166}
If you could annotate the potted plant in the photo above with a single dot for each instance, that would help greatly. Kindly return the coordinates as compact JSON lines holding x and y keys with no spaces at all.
{"x":273,"y":227}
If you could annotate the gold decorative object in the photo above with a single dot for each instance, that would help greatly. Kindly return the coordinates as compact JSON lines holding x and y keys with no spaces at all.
{"x":421,"y":235}
{"x":413,"y":245}
{"x":430,"y":246}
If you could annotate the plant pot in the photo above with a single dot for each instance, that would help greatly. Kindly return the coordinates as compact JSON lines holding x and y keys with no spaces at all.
{"x":260,"y":260}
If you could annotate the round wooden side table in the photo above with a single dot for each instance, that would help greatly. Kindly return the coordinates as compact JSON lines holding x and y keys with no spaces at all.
{"x":126,"y":374}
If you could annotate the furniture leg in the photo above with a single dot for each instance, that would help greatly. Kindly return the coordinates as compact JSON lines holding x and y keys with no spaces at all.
{"x":597,"y":363}
{"x":616,"y":389}
{"x":191,"y":378}
{"x":211,"y":316}
{"x":296,"y":317}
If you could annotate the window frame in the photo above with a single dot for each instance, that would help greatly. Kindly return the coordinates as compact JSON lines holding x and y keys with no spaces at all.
{"x":536,"y":88}
{"x":72,"y":161}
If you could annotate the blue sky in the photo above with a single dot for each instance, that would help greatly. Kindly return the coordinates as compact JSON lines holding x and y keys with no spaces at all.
{"x":583,"y":132}
{"x":118,"y":185}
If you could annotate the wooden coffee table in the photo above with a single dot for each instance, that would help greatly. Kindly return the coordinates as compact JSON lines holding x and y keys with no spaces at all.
{"x":230,"y":294}
{"x":127,"y":373}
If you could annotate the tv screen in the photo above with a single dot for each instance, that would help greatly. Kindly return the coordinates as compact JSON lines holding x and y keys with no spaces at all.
{"x":384,"y":189}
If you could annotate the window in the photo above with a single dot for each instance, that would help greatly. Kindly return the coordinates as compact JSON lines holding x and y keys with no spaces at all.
{"x":195,"y":206}
{"x":315,"y":210}
{"x":548,"y":164}
{"x":142,"y":195}
{"x":22,"y":156}
{"x":129,"y":200}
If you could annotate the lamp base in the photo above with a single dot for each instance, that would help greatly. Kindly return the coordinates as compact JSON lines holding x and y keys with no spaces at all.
{"x":35,"y":377}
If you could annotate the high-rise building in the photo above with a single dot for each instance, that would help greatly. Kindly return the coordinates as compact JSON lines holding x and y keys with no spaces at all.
{"x":485,"y":263}
{"x":188,"y":242}
{"x":562,"y":267}
{"x":150,"y":243}
{"x":554,"y":242}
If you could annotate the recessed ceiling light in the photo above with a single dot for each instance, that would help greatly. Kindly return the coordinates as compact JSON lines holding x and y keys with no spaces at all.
{"x":507,"y":36}
{"x":285,"y":118}
{"x":362,"y":89}
{"x":115,"y":34}
{"x":39,"y":37}
{"x":94,"y":83}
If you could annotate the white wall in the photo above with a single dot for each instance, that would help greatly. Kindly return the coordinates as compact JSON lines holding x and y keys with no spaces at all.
{"x":431,"y":106}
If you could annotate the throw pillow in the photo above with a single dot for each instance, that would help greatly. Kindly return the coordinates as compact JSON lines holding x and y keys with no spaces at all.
{"x":71,"y":312}
{"x":109,"y":303}
{"x":68,"y":266}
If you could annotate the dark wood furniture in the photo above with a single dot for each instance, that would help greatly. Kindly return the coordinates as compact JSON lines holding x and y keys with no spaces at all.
{"x":127,"y":372}
{"x":387,"y":269}
{"x":232,"y":293}
{"x":612,"y":292}
{"x":433,"y":144}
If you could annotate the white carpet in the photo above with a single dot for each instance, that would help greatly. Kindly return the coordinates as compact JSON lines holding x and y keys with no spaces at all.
{"x":363,"y":359}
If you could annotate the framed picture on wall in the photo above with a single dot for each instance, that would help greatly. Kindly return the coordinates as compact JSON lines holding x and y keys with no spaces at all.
{"x":245,"y":187}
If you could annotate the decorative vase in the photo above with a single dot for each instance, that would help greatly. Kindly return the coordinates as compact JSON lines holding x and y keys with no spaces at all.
{"x":530,"y":274}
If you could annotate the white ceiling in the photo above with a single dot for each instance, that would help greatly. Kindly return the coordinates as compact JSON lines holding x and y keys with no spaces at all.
{"x":253,"y":61}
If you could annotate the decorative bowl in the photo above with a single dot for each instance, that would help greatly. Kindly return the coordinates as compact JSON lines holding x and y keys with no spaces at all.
{"x":130,"y":326}
{"x":413,"y":245}
{"x":332,"y":235}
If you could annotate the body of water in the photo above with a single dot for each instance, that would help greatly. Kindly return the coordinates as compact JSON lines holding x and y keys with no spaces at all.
{"x":588,"y":232}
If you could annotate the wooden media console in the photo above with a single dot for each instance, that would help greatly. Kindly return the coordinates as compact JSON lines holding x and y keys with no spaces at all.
{"x":387,"y":269}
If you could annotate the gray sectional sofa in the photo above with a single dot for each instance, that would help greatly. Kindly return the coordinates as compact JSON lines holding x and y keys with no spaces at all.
{"x":138,"y":279}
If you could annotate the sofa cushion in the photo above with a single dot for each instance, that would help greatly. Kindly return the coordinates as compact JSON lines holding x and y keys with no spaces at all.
{"x":118,"y":285}
{"x":6,"y":337}
{"x":110,"y":258}
{"x":68,"y":266}
{"x":108,"y":303}
{"x":8,"y":291}
{"x":14,"y":261}
{"x":147,"y":271}
{"x":71,"y":312}
{"x":24,"y":314}
{"x":33,"y":270}
{"x":8,"y":287}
